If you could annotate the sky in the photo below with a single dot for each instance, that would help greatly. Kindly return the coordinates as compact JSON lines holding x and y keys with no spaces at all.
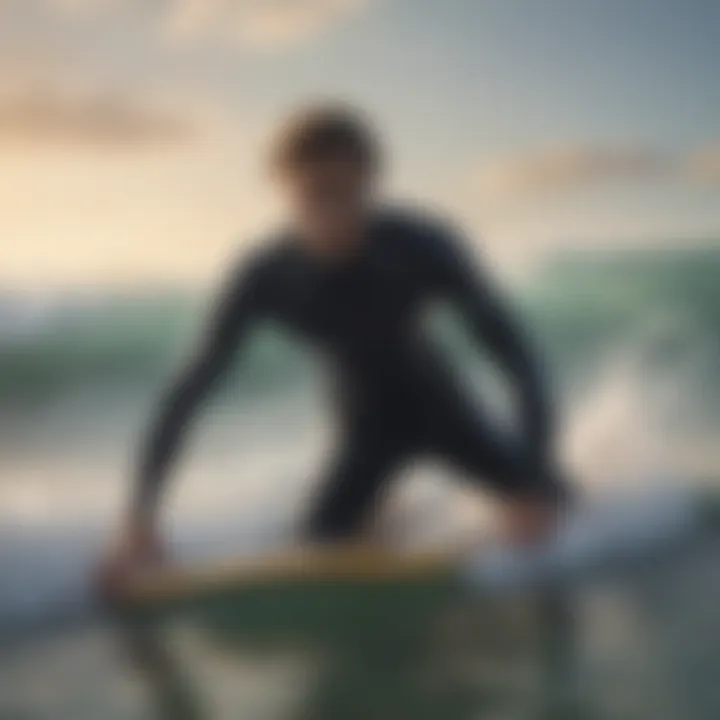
{"x":132,"y":131}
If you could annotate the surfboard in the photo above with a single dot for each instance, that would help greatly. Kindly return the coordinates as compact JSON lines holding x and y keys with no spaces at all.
{"x":311,"y":565}
{"x":607,"y":534}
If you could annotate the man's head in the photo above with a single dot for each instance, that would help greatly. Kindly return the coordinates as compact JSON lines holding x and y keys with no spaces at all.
{"x":326,"y":161}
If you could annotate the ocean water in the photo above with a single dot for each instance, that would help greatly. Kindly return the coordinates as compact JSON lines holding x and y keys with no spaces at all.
{"x":632,"y":344}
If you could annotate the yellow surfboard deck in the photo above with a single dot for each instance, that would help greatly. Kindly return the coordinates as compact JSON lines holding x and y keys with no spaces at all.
{"x":317,"y":565}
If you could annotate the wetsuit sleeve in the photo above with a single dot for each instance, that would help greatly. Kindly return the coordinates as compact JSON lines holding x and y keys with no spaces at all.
{"x":237,"y":306}
{"x":461,"y":280}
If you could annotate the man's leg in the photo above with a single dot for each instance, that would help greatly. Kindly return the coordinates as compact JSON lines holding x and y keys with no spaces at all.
{"x":532,"y":498}
{"x":491,"y":459}
{"x":350,"y":489}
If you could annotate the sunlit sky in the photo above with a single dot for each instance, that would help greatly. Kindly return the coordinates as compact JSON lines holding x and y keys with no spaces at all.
{"x":131,"y":131}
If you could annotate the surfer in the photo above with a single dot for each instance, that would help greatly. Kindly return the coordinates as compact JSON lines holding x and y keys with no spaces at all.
{"x":352,"y":277}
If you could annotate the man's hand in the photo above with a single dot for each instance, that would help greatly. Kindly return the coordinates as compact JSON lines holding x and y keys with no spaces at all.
{"x":528,"y":521}
{"x":138,"y":548}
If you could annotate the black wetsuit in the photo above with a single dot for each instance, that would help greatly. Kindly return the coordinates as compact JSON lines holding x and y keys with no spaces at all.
{"x":397,"y":397}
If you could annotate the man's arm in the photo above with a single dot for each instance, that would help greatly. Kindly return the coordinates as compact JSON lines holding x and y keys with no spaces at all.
{"x":233,"y":312}
{"x":493,"y":324}
{"x":139,"y":542}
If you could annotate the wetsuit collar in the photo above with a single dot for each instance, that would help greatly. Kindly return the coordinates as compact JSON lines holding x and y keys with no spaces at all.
{"x":352,"y":258}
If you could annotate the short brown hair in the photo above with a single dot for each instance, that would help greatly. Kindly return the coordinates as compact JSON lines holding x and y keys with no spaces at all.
{"x":325,"y":131}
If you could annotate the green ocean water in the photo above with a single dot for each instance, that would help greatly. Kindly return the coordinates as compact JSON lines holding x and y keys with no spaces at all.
{"x":632,"y":343}
{"x":662,"y":304}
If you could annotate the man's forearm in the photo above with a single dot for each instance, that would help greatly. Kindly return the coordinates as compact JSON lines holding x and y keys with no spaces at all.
{"x":176,"y":410}
{"x":161,"y":448}
{"x":535,"y":410}
{"x":497,"y":330}
{"x":235,"y":309}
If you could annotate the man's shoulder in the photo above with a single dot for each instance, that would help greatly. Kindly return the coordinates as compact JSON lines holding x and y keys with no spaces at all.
{"x":266,"y":255}
{"x":256,"y":267}
{"x":418,"y":231}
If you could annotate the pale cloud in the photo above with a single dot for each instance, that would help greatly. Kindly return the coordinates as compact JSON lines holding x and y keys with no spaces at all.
{"x":47,"y":101}
{"x":567,"y":169}
{"x":253,"y":24}
{"x":82,"y":6}
{"x":704,"y":166}
{"x":52,"y":118}
{"x":258,"y":24}
{"x":548,"y":199}
{"x":561,"y":171}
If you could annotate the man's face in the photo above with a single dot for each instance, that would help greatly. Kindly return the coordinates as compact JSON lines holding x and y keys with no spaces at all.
{"x":328,"y":201}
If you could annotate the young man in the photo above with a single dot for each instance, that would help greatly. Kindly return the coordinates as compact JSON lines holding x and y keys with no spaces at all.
{"x":352,"y":278}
